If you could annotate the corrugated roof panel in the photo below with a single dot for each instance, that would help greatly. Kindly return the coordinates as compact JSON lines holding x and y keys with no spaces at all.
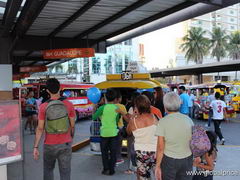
{"x":101,"y":11}
{"x":136,"y":16}
{"x":54,"y":14}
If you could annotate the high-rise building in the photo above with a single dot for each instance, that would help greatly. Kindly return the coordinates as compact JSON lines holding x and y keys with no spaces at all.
{"x":227,"y":19}
{"x":95,"y":69}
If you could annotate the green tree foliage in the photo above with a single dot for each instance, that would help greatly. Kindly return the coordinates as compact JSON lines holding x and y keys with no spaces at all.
{"x":219,"y":41}
{"x":195,"y":45}
{"x":234,"y":45}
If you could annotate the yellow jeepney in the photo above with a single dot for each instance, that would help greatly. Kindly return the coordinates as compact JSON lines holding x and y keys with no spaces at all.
{"x":127,"y":83}
{"x":236,"y":99}
{"x":133,"y":81}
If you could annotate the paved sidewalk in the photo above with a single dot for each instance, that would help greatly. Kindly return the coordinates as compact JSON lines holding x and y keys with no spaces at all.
{"x":87,"y":166}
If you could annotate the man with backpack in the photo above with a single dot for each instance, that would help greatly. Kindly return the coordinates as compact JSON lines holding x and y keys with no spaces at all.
{"x":57,"y":118}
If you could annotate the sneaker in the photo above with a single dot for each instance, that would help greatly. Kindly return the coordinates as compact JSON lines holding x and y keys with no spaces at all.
{"x":119,"y":161}
{"x":222,"y":141}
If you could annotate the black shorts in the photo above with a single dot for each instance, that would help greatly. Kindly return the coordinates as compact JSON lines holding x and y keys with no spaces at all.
{"x":30,"y":113}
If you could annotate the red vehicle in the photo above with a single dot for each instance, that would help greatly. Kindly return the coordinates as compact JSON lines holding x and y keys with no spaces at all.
{"x":77,"y":94}
{"x":74,"y":92}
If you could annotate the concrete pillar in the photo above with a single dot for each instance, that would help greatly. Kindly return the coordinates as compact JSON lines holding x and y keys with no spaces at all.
{"x":3,"y":172}
{"x":5,"y":82}
{"x":200,"y":79}
{"x":5,"y":48}
{"x":6,"y":69}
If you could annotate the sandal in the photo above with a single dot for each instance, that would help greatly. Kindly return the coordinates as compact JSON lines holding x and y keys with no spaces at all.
{"x":129,"y":171}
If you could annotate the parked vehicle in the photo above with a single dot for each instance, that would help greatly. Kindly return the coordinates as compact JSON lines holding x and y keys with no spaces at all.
{"x":75,"y":92}
{"x":127,"y":84}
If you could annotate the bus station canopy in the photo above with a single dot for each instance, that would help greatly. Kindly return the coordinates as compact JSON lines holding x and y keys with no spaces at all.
{"x":30,"y":26}
{"x":198,"y":69}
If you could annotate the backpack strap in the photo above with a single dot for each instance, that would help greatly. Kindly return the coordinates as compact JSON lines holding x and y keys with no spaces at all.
{"x":62,"y":98}
{"x":48,"y":101}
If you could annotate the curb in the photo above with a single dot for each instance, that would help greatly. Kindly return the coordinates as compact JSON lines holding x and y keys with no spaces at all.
{"x":80,"y":145}
{"x":235,"y":121}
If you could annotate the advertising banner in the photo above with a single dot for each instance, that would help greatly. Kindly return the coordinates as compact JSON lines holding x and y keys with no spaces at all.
{"x":10,"y":132}
{"x":68,"y":53}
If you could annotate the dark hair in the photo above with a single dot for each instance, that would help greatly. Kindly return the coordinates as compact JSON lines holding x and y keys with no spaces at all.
{"x":133,"y":97}
{"x":182,"y":88}
{"x":111,"y":94}
{"x":142,"y":103}
{"x":213,"y":140}
{"x":30,"y":91}
{"x":53,"y":85}
{"x":149,"y":95}
{"x":119,"y":95}
{"x":159,"y":100}
{"x":217,"y":95}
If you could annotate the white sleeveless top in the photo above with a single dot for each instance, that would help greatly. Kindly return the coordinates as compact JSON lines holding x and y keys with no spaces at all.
{"x":145,"y":139}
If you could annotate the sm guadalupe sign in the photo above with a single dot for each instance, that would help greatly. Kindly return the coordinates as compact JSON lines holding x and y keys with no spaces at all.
{"x":68,"y":53}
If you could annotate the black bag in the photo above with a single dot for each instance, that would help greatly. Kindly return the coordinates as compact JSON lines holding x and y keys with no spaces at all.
{"x":123,"y":132}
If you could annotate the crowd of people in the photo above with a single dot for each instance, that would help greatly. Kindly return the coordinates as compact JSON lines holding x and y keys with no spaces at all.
{"x":158,"y":129}
{"x":156,"y":141}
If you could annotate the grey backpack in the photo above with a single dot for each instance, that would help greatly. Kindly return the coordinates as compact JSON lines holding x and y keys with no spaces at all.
{"x":57,"y":120}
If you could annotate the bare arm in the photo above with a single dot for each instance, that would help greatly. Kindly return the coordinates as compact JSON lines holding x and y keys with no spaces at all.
{"x":208,"y":166}
{"x":72,"y":125}
{"x":39,"y":132}
{"x":126,"y":116}
{"x":160,"y":150}
{"x":130,"y":127}
{"x":225,"y":113}
{"x":159,"y":154}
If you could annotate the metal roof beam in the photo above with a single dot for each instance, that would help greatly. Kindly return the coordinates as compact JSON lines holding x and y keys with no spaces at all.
{"x":149,"y":19}
{"x":198,"y":69}
{"x":125,"y":11}
{"x":21,"y":58}
{"x":76,"y":15}
{"x":33,"y":63}
{"x":2,"y":4}
{"x":36,"y":43}
{"x":10,"y":14}
{"x":30,"y":12}
{"x":179,"y":13}
{"x":212,"y":2}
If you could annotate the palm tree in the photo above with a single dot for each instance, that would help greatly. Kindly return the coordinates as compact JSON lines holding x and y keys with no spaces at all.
{"x":234,"y":45}
{"x":218,"y":43}
{"x":195,"y":45}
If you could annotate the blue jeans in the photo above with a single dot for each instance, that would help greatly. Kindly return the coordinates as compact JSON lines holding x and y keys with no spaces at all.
{"x":210,"y":114}
{"x":191,"y":112}
{"x":60,"y":152}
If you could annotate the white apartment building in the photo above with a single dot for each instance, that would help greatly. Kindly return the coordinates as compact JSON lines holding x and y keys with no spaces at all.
{"x":228,"y":19}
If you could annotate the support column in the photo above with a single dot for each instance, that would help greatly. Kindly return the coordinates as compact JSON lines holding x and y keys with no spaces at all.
{"x":5,"y":69}
{"x":200,"y":78}
{"x":3,"y":172}
{"x":5,"y":82}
